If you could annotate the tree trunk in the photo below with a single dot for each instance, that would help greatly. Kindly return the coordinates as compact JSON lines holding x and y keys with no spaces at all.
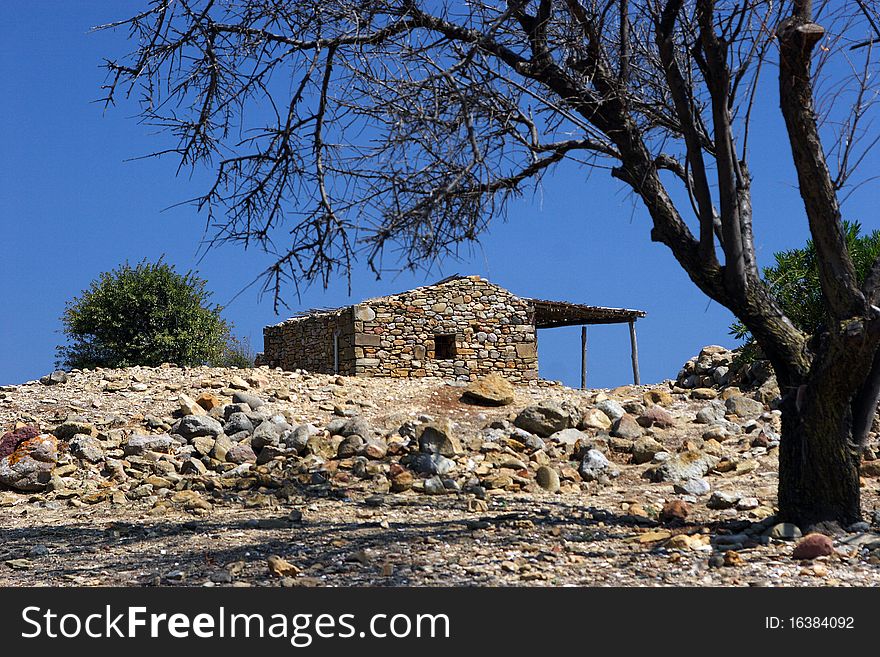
{"x":818,"y":461}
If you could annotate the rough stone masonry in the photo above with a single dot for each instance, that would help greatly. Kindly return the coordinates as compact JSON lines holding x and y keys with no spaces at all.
{"x":463,"y":328}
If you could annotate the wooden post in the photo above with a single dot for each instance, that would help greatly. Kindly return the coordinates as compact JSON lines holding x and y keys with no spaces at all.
{"x":635,"y":351}
{"x":583,"y":357}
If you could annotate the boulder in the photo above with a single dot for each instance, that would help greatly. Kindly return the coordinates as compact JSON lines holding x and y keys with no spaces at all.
{"x":86,"y":447}
{"x":245,"y":398}
{"x":655,"y":416}
{"x":594,"y":464}
{"x":12,"y":439}
{"x":812,"y":546}
{"x":594,"y":419}
{"x":611,"y":409}
{"x":197,"y":425}
{"x":188,"y":406}
{"x":350,"y":446}
{"x":67,"y":430}
{"x":656,"y":396}
{"x":547,"y":478}
{"x":434,"y":464}
{"x":491,"y":390}
{"x":626,"y":427}
{"x":744,"y":407}
{"x":644,"y":448}
{"x":29,"y":467}
{"x":55,"y":378}
{"x":241,"y":453}
{"x":139,"y":444}
{"x":694,"y":486}
{"x":356,"y":425}
{"x":685,"y":465}
{"x":439,"y":438}
{"x":547,"y":418}
{"x":238,"y":422}
{"x":298,"y":438}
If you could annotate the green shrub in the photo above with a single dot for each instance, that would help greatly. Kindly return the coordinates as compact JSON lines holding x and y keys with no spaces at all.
{"x":145,"y":315}
{"x":794,"y":281}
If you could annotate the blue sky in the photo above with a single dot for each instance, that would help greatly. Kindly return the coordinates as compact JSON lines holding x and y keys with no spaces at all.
{"x":72,"y":206}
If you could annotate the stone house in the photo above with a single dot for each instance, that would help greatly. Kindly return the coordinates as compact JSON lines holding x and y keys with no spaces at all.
{"x":461,"y":327}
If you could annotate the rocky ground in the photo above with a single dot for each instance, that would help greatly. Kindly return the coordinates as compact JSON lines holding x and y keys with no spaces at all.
{"x":216,"y":477}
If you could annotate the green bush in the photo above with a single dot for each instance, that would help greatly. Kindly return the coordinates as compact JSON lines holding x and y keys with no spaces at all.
{"x":145,"y":315}
{"x":794,"y":281}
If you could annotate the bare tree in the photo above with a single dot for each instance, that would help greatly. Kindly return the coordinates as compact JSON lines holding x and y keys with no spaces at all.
{"x":344,"y":129}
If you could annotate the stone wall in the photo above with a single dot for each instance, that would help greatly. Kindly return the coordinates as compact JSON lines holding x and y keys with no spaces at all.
{"x":307,"y":343}
{"x":488,"y":329}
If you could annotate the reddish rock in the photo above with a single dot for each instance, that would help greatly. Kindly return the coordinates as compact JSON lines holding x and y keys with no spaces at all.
{"x":208,"y":401}
{"x":12,"y":439}
{"x":812,"y":546}
{"x":30,"y":466}
{"x":657,"y":417}
{"x":674,"y":510}
{"x":402,"y":481}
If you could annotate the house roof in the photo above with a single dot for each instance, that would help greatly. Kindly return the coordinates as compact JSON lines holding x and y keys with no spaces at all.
{"x":547,"y":314}
{"x":553,"y":314}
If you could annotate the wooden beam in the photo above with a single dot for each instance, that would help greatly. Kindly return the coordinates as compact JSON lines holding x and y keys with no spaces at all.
{"x":635,"y":352}
{"x":583,"y":357}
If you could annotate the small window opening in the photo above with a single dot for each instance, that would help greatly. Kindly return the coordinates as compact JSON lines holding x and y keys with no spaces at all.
{"x":444,"y":347}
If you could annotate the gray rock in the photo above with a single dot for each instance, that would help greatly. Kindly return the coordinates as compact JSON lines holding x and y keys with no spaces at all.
{"x":434,"y":486}
{"x":269,"y":432}
{"x":683,"y":466}
{"x":626,"y":427}
{"x":547,"y":418}
{"x":356,"y":425}
{"x":251,"y":400}
{"x":611,"y":408}
{"x":298,"y":438}
{"x":785,"y":531}
{"x":434,"y":464}
{"x":86,"y":447}
{"x":439,"y":438}
{"x":748,"y":503}
{"x":237,"y":422}
{"x":137,"y":444}
{"x":56,"y":377}
{"x":695,"y":486}
{"x":744,"y":407}
{"x":547,"y":478}
{"x":711,"y":414}
{"x":720,"y":500}
{"x":231,"y":409}
{"x":570,"y":437}
{"x":30,"y":466}
{"x":594,"y":464}
{"x":197,"y":425}
{"x":335,"y":426}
